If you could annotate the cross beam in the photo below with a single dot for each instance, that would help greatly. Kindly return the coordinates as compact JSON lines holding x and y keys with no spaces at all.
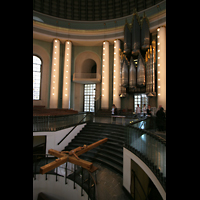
{"x":72,"y":157}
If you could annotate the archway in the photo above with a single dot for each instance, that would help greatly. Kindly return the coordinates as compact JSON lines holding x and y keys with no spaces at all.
{"x":89,"y":66}
{"x":88,"y":58}
{"x":86,"y":62}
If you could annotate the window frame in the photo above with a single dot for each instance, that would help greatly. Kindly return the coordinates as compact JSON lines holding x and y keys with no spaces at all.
{"x":40,"y":77}
{"x":141,"y":101}
{"x":88,"y":96}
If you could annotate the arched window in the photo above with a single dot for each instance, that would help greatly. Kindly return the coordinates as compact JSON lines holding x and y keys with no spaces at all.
{"x":37,"y":64}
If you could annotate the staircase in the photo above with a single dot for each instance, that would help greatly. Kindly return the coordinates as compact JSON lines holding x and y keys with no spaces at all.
{"x":109,"y":153}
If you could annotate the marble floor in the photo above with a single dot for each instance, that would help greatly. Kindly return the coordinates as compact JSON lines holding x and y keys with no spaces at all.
{"x":109,"y":186}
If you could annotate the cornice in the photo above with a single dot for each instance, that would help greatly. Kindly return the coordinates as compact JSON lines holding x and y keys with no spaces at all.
{"x":47,"y":32}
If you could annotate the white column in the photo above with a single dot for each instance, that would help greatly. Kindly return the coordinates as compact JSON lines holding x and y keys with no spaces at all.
{"x":55,"y":74}
{"x":67,"y":75}
{"x":105,"y":76}
{"x":161,"y":66}
{"x":116,"y":75}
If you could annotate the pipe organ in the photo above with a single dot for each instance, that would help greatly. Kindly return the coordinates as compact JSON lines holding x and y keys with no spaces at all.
{"x":138,"y":59}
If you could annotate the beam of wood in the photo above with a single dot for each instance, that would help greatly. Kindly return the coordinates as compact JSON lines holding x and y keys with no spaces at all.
{"x":50,"y":166}
{"x":56,"y":153}
{"x":70,"y":158}
{"x":91,"y":146}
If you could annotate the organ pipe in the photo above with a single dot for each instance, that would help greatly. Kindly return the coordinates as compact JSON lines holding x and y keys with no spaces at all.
{"x":124,"y":73}
{"x":132,"y":74}
{"x":141,"y":71}
{"x":145,"y":34}
{"x":150,"y":69}
{"x":127,"y":39}
{"x":135,"y":35}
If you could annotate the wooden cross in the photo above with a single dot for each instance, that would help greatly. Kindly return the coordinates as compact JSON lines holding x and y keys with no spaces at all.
{"x":71,"y":156}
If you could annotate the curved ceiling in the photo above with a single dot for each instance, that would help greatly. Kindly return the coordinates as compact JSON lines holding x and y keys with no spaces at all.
{"x":90,"y":10}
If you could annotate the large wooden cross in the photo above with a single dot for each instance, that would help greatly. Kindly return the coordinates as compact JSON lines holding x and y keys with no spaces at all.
{"x":71,"y":156}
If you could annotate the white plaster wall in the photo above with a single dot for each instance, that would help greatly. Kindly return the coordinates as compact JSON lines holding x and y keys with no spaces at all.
{"x":53,"y":137}
{"x":57,"y":189}
{"x":127,"y":156}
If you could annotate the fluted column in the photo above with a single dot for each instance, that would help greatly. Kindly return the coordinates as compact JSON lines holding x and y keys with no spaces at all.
{"x":116,"y":75}
{"x":55,"y":74}
{"x":105,"y":76}
{"x":161,"y":66}
{"x":67,"y":75}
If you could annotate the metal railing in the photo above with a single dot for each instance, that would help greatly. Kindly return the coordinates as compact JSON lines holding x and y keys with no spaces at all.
{"x":54,"y":123}
{"x":149,"y":147}
{"x":86,"y":180}
{"x":74,"y":127}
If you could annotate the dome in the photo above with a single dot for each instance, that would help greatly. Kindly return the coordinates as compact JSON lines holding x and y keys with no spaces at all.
{"x":90,"y":10}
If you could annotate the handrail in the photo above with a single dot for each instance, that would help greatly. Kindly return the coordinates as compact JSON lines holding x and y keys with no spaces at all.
{"x":150,"y":148}
{"x":75,"y":177}
{"x":72,"y":129}
{"x":58,"y":122}
{"x":160,"y":139}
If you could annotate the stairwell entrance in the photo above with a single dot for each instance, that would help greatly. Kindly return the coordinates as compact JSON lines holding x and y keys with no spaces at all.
{"x":89,"y":97}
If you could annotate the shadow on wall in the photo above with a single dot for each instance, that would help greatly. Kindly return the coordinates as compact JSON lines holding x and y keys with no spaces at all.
{"x":89,"y":66}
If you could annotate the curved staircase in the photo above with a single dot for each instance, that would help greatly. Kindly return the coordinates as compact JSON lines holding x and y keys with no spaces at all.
{"x":109,"y":153}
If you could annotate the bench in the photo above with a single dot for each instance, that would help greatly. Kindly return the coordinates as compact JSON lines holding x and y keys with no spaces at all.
{"x":118,"y":116}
